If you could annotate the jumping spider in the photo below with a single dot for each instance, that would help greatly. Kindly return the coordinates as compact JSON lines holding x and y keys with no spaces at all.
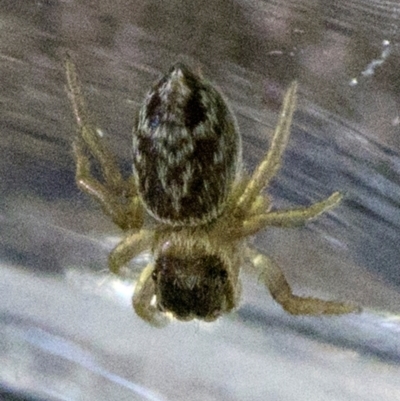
{"x":189,"y":200}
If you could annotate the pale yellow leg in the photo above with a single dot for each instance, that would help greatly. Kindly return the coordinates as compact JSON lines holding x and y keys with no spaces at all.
{"x":267,"y":169}
{"x":132,"y":245}
{"x":289,"y":218}
{"x":118,"y":197}
{"x":273,"y":278}
{"x":88,"y":133}
{"x":142,"y":298}
{"x":87,"y":183}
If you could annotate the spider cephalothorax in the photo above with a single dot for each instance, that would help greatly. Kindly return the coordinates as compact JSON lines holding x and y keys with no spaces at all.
{"x":195,"y":272}
{"x":192,"y":287}
{"x":187,"y":178}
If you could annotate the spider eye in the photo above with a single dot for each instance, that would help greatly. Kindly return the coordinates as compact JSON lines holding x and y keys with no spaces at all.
{"x":220,"y":274}
{"x":154,"y":275}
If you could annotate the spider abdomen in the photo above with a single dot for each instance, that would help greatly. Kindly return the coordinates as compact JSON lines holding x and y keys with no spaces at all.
{"x":186,"y":150}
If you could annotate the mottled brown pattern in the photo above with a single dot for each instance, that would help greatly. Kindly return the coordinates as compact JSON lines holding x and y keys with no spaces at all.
{"x":186,"y":149}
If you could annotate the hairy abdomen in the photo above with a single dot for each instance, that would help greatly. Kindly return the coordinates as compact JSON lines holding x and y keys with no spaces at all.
{"x":186,"y":150}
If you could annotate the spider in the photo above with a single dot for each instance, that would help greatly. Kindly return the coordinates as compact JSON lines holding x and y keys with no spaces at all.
{"x":189,"y":201}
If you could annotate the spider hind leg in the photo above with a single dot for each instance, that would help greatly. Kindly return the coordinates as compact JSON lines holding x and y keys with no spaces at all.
{"x":117,"y":196}
{"x":271,"y":162}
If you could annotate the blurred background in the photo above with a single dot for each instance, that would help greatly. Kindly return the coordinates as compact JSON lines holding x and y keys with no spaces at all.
{"x":67,"y":330}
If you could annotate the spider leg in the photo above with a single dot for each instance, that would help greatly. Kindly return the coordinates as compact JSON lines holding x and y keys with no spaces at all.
{"x":288,"y":218}
{"x":87,"y":132}
{"x":109,"y":202}
{"x":268,"y":167}
{"x":117,"y":196}
{"x":128,"y":248}
{"x":274,"y":279}
{"x":143,"y":296}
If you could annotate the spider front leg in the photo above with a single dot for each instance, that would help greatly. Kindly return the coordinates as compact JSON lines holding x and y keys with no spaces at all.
{"x":143,"y":297}
{"x":132,"y":245}
{"x":273,"y":278}
{"x":118,"y":197}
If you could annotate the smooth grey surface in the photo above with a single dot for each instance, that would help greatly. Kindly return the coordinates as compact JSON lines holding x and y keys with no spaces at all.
{"x":67,"y":328}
